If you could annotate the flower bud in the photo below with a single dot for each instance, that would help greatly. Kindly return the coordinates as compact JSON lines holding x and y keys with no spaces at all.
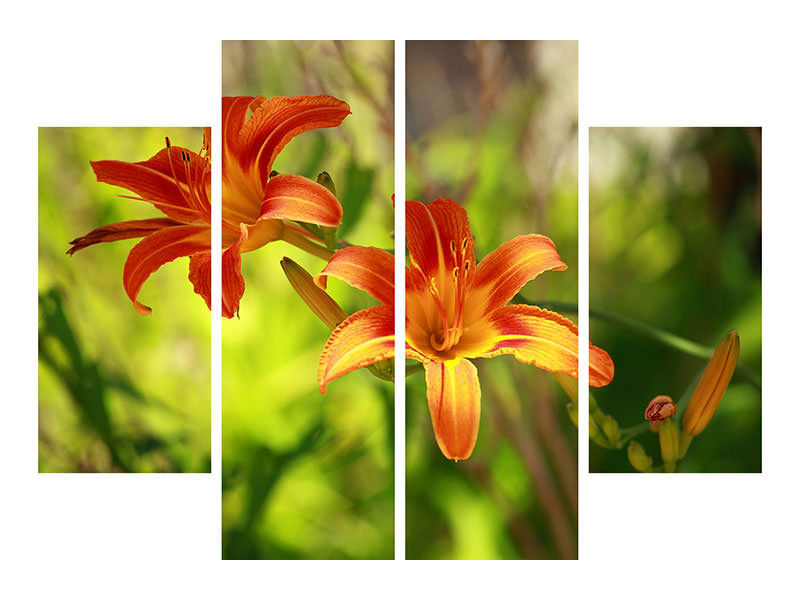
{"x":668,"y":440}
{"x":595,"y":432}
{"x":712,"y":385}
{"x":610,"y":429}
{"x":660,"y":408}
{"x":572,"y":411}
{"x":316,"y":298}
{"x":638,"y":458}
{"x":328,"y":233}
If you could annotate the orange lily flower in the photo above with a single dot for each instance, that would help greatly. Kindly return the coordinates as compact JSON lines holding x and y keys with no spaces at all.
{"x":456,"y":310}
{"x":367,"y":336}
{"x":176,"y":181}
{"x":257,"y":205}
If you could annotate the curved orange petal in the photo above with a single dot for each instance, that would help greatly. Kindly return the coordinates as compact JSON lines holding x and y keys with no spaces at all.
{"x":454,"y":401}
{"x":120,"y":231}
{"x":297,"y":198}
{"x":542,"y":338}
{"x":200,"y":275}
{"x":164,"y":180}
{"x":232,"y":280}
{"x":435,"y":233}
{"x":158,"y":248}
{"x":362,"y":339}
{"x":414,"y":354}
{"x":275,"y":121}
{"x":504,"y":271}
{"x":366,"y":268}
{"x":234,"y":115}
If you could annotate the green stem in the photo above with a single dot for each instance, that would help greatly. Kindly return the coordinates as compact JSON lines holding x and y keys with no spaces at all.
{"x":302,"y":242}
{"x":631,"y":432}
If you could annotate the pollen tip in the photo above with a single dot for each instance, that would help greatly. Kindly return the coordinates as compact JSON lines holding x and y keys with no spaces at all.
{"x":168,"y":143}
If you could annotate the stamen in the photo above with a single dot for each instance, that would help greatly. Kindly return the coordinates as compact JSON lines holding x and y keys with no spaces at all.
{"x":174,"y":175}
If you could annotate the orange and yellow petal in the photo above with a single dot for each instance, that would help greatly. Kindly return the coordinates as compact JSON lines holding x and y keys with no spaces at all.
{"x":454,"y":401}
{"x":276,"y":121}
{"x":437,"y":234}
{"x":120,"y":231}
{"x":200,"y":275}
{"x":366,"y":268}
{"x":158,"y":248}
{"x":362,"y":339}
{"x":232,"y":280}
{"x":163,"y":180}
{"x":415,"y":354}
{"x":538,"y":337}
{"x":504,"y":271}
{"x":297,"y":198}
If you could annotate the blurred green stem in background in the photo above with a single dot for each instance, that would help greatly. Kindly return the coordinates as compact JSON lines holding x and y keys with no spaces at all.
{"x":659,"y":335}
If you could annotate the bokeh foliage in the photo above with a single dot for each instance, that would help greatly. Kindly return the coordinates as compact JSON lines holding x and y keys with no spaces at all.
{"x":675,"y":242}
{"x":117,"y":391}
{"x":307,"y":475}
{"x":493,"y":125}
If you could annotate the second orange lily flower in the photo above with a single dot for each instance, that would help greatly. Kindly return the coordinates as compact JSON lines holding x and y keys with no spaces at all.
{"x":258,"y":206}
{"x":456,"y":310}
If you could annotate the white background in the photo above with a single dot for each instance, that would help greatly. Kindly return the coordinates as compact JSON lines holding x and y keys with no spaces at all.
{"x":158,"y":63}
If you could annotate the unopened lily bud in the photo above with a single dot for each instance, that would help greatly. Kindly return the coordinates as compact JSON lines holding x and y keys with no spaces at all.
{"x":328,"y":233}
{"x":660,"y":408}
{"x":325,"y":180}
{"x":316,"y":298}
{"x":596,"y":434}
{"x":572,"y":411}
{"x":668,"y":440}
{"x":638,"y":458}
{"x":611,"y":429}
{"x":712,"y":385}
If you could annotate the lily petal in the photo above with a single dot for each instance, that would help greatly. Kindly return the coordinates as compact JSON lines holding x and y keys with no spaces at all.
{"x":454,"y":401}
{"x":234,"y":115}
{"x":434,"y":233}
{"x":366,"y":268}
{"x":297,"y":198}
{"x":362,"y":339}
{"x":158,"y":248}
{"x":153,"y":180}
{"x":200,"y":275}
{"x":504,"y":271}
{"x":232,"y":280}
{"x":120,"y":231}
{"x":276,"y":121}
{"x":539,"y":337}
{"x":415,"y":354}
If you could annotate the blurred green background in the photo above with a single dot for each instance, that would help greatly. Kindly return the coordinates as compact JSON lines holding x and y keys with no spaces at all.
{"x":117,"y":391}
{"x":493,"y":125}
{"x":675,"y":242}
{"x":306,"y":475}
